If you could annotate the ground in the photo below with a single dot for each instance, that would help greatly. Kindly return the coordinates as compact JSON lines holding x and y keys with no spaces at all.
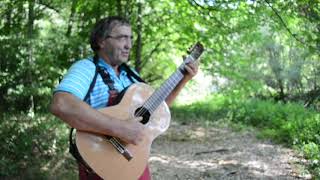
{"x":196,"y":152}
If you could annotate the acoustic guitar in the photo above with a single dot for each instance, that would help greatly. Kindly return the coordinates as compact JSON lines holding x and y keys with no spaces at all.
{"x":113,"y":159}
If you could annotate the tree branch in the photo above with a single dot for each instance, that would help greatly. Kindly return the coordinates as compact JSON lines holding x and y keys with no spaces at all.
{"x":284,"y":24}
{"x":48,"y":6}
{"x":207,"y":10}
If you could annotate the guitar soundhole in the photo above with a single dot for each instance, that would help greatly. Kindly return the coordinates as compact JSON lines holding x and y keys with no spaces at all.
{"x":144,"y":113}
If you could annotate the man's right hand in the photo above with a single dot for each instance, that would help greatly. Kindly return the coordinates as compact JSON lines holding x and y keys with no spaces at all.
{"x":81,"y":116}
{"x":133,"y":132}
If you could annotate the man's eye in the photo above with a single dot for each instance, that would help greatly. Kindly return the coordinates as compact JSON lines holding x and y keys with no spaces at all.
{"x":125,"y":37}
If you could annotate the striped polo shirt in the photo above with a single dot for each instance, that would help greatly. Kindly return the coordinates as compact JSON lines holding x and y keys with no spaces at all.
{"x":80,"y":75}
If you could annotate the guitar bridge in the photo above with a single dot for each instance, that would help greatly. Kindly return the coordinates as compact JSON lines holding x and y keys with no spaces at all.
{"x":120,"y":148}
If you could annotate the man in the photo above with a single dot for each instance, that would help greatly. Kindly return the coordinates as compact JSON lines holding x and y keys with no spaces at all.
{"x":111,"y":41}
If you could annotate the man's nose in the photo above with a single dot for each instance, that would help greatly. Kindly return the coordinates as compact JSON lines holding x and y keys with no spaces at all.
{"x":128,"y":43}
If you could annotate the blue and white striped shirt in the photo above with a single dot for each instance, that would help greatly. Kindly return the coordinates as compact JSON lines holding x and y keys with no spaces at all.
{"x":79,"y":77}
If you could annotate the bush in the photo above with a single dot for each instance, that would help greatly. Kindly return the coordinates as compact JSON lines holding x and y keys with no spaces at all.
{"x":289,"y":123}
{"x":31,"y":147}
{"x":205,"y":111}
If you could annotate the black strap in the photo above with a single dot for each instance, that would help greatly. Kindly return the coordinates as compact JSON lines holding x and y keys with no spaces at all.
{"x":91,"y":86}
{"x":106,"y":78}
{"x":75,"y":152}
{"x":93,"y":82}
{"x":131,"y":73}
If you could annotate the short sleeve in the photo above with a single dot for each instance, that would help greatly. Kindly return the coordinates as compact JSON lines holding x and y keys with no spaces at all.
{"x":78,"y":79}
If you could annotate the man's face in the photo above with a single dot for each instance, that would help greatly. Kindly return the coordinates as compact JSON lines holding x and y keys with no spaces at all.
{"x":116,"y":47}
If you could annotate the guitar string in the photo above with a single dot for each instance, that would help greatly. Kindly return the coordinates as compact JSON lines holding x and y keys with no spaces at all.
{"x":152,"y":102}
{"x":170,"y":84}
{"x":165,"y":91}
{"x":167,"y":86}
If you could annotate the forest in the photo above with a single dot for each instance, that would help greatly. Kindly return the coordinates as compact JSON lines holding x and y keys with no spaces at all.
{"x":260,"y":70}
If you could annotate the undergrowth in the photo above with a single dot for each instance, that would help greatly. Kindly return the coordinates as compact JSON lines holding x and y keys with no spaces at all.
{"x":289,"y":124}
{"x":34,"y":148}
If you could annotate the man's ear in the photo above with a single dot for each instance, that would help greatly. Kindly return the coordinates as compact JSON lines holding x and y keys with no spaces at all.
{"x":101,"y":43}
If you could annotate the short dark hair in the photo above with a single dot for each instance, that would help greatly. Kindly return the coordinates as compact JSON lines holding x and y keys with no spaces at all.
{"x":102,"y":29}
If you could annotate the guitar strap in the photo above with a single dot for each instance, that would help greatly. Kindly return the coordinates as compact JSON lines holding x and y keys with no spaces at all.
{"x":85,"y":171}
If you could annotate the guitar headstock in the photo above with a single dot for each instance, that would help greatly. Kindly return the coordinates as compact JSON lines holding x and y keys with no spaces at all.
{"x":194,"y":52}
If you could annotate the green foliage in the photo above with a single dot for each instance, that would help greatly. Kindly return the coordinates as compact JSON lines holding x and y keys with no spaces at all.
{"x":312,"y":152}
{"x":287,"y":123}
{"x":205,"y":111}
{"x":32,"y":146}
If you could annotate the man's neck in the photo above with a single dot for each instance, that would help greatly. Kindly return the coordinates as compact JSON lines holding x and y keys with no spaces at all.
{"x":115,"y":67}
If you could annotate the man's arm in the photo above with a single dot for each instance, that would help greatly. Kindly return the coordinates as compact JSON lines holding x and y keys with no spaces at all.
{"x":192,"y":70}
{"x":81,"y":116}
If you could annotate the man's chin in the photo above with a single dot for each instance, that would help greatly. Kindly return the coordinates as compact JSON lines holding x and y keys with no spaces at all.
{"x":124,"y":60}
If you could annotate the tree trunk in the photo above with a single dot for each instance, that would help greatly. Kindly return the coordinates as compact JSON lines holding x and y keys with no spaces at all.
{"x":30,"y":28}
{"x":139,"y":39}
{"x":277,"y":69}
{"x":128,"y":9}
{"x":119,"y":8}
{"x":71,"y":18}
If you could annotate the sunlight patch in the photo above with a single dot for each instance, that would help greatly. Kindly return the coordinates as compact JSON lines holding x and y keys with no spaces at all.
{"x":178,"y":163}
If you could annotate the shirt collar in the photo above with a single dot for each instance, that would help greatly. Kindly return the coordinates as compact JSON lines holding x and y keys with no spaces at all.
{"x":108,"y":68}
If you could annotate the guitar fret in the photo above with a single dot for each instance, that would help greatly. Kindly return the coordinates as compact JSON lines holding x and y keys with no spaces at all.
{"x":165,"y":89}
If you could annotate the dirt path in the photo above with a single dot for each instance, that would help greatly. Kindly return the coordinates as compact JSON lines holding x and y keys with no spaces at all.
{"x":196,"y":153}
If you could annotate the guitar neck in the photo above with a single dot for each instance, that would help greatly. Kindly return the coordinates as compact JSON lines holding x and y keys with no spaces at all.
{"x":167,"y":87}
{"x":164,"y":90}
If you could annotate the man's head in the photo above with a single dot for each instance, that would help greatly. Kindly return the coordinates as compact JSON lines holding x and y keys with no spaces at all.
{"x":111,"y":38}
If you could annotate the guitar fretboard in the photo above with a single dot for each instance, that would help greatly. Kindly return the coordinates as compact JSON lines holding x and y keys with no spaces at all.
{"x":162,"y":93}
{"x":167,"y":87}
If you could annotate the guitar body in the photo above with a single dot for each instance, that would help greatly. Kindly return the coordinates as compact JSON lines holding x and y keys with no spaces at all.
{"x":103,"y":157}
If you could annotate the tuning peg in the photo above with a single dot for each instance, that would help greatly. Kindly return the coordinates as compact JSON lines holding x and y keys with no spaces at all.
{"x":184,"y":57}
{"x":190,"y":49}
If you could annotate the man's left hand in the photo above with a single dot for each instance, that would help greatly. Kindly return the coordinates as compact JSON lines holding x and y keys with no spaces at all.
{"x":191,"y":70}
